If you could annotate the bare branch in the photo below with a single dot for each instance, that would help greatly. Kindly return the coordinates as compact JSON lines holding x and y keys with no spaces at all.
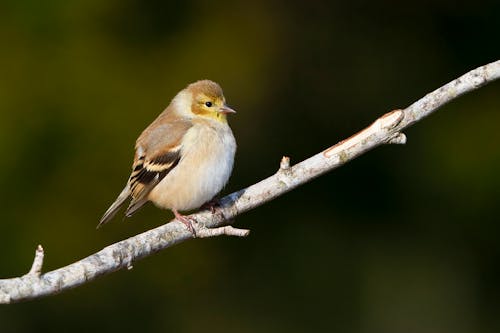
{"x":386,"y":129}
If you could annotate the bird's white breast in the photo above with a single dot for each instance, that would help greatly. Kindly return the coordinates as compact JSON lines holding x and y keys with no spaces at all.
{"x":207,"y":157}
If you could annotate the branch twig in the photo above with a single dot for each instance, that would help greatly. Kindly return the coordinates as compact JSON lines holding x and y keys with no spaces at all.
{"x":385,"y":130}
{"x":36,"y":268}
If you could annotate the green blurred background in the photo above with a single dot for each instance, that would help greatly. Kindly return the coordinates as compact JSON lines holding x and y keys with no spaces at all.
{"x":403,"y":239}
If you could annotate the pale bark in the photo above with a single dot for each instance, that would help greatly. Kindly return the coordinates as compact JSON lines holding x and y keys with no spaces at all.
{"x":386,"y":129}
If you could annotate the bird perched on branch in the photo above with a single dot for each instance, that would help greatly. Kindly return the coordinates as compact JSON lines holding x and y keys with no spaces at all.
{"x":185,"y":157}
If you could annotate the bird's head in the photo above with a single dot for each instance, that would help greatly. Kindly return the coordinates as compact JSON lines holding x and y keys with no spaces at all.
{"x":207,"y":100}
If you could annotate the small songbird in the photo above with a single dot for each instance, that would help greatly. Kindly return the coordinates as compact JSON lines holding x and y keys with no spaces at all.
{"x":185,"y":157}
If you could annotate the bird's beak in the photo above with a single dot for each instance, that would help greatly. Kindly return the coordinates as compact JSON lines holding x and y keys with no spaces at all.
{"x":226,"y":109}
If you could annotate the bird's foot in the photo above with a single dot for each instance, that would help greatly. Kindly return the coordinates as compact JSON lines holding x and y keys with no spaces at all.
{"x":187,"y":221}
{"x":211,"y":205}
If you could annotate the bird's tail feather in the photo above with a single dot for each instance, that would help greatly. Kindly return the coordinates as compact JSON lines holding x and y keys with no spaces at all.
{"x":113,"y":209}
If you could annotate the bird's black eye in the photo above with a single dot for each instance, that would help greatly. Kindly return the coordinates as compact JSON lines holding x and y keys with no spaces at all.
{"x":208,"y":104}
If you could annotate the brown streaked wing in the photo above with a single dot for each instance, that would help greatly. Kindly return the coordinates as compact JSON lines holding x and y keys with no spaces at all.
{"x":158,"y":150}
{"x":147,"y":174}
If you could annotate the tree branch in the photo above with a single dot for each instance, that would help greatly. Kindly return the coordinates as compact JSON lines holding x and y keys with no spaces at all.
{"x":386,"y":129}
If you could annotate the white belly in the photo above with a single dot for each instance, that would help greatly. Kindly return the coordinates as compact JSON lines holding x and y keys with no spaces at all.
{"x":204,"y":169}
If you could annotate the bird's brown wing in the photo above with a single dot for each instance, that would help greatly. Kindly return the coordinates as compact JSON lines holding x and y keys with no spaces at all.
{"x":158,"y":151}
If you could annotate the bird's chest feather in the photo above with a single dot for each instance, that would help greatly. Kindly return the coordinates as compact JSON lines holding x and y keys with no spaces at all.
{"x":205,"y":167}
{"x":211,"y":153}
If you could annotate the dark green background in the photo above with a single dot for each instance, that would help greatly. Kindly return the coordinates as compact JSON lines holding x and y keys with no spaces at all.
{"x":403,"y":239}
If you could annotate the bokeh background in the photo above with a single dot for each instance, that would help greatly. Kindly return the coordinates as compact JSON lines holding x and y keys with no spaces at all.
{"x":403,"y":239}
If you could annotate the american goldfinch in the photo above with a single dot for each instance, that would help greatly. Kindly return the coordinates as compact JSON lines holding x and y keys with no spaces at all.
{"x":185,"y":157}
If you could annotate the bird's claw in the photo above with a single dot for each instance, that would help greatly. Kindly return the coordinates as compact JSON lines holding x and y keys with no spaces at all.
{"x":187,"y":221}
{"x":211,"y":205}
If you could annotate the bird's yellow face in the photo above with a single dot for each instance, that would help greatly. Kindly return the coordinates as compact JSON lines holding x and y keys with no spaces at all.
{"x":211,"y":106}
{"x":207,"y":100}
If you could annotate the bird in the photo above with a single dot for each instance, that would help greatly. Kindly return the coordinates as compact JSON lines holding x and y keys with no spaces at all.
{"x":184,"y":158}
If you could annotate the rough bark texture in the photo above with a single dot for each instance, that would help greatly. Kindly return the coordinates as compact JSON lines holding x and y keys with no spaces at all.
{"x":386,"y":129}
